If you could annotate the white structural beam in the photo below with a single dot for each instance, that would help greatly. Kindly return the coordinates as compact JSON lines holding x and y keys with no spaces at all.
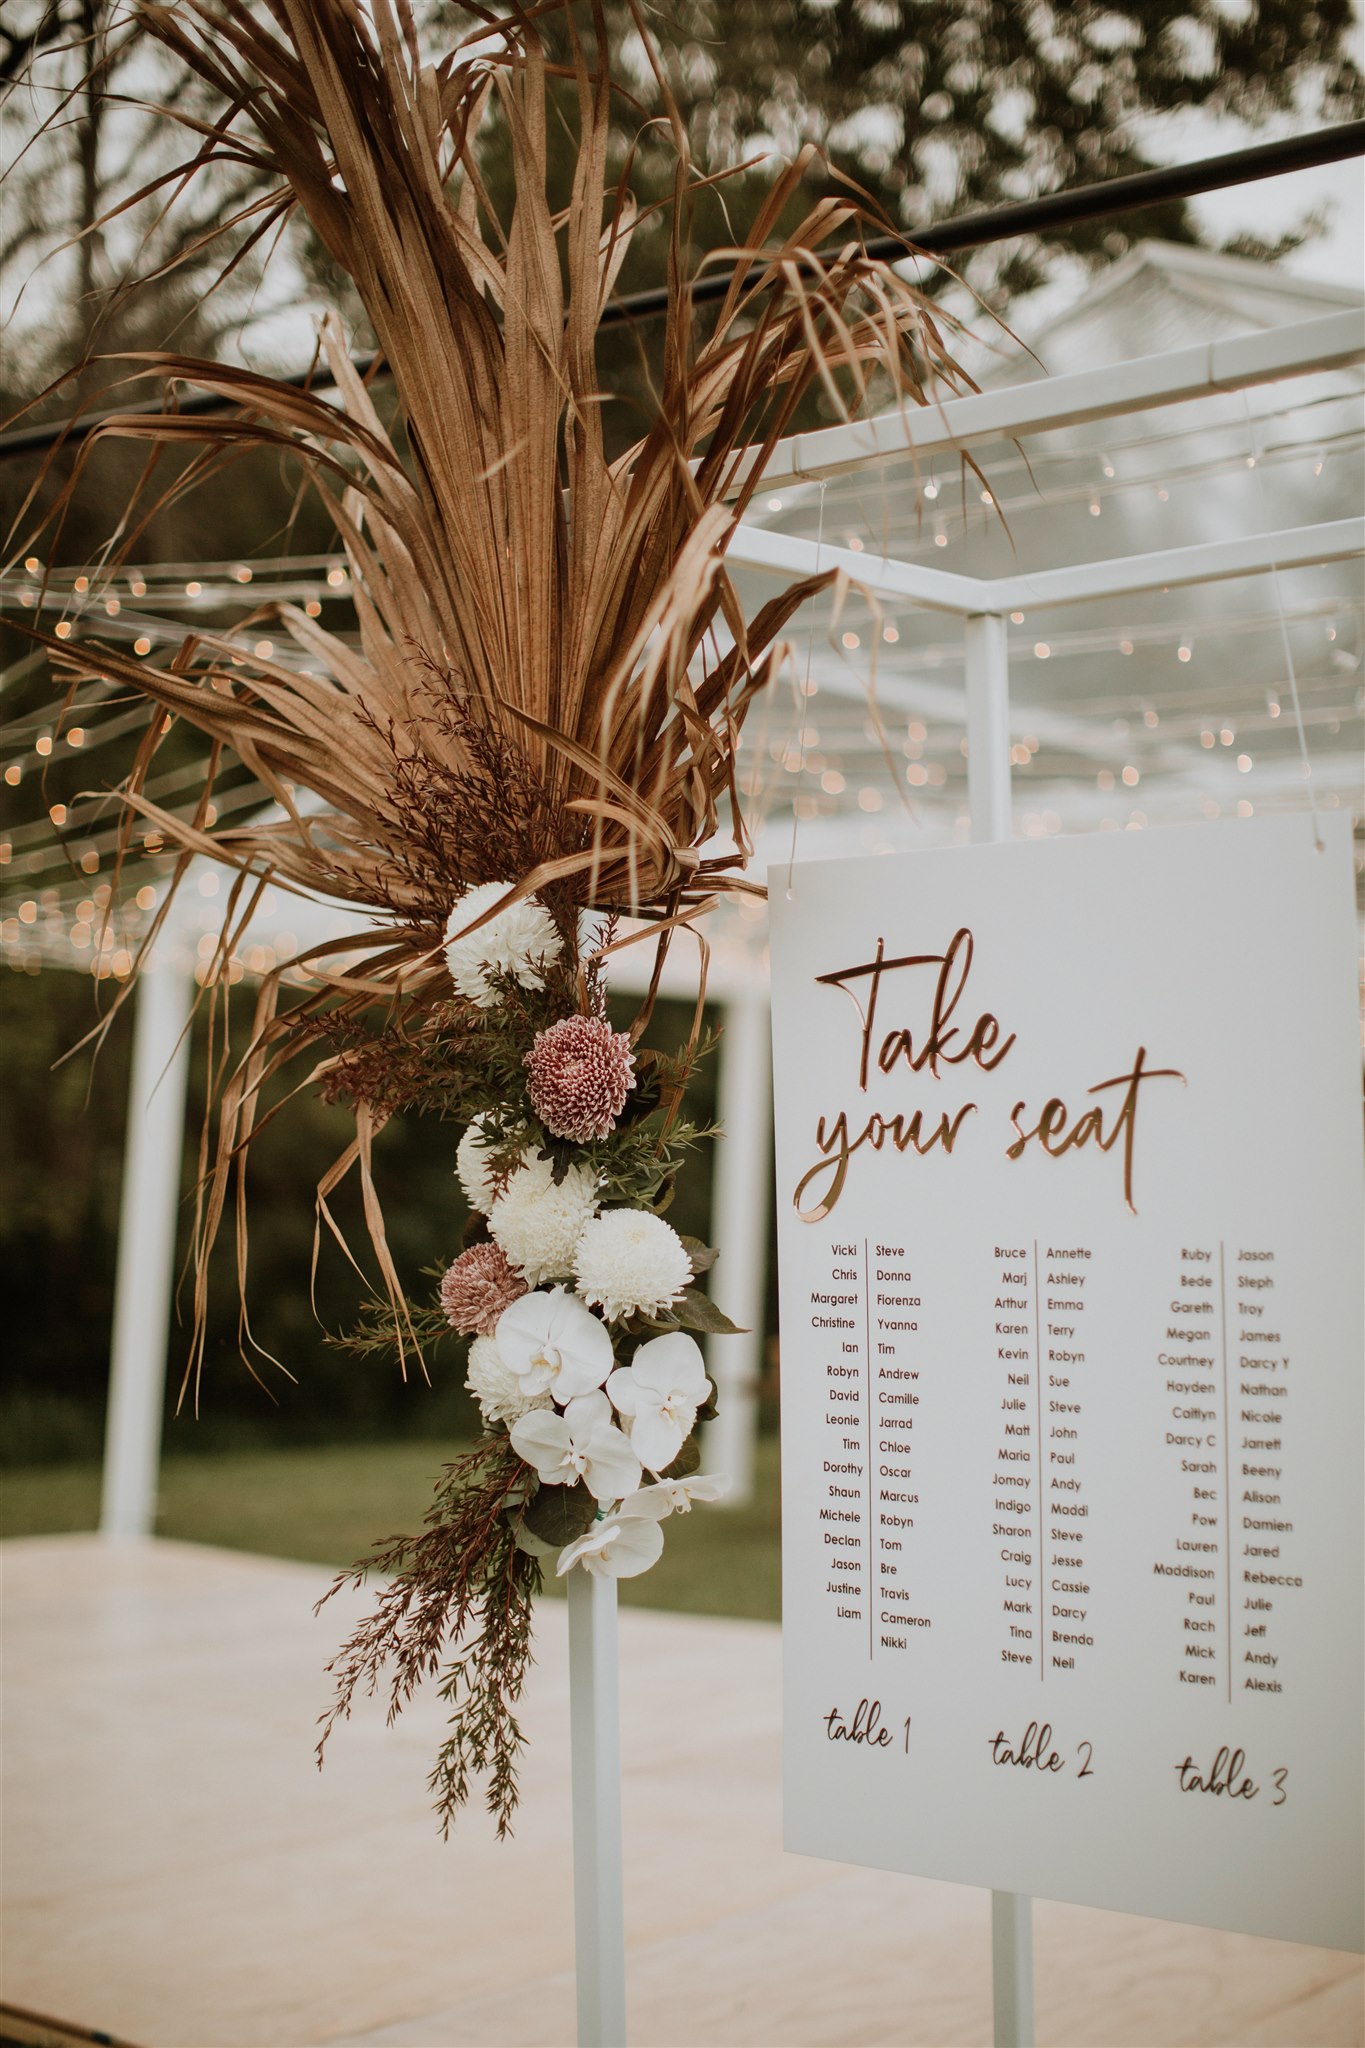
{"x":988,"y":727}
{"x":740,"y":1209}
{"x":791,"y":555}
{"x":1214,"y":561}
{"x":1335,"y":341}
{"x":146,"y":1251}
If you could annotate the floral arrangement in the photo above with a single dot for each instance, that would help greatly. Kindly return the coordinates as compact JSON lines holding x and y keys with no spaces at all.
{"x":530,"y":721}
{"x":580,"y":1303}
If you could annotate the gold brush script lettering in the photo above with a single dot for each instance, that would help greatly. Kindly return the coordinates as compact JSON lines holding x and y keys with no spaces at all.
{"x":942,"y":1046}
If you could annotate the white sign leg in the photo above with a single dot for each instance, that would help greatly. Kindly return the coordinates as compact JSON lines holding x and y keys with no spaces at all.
{"x":146,"y":1251}
{"x":988,"y":793}
{"x":1012,"y":1968}
{"x":595,"y":1733}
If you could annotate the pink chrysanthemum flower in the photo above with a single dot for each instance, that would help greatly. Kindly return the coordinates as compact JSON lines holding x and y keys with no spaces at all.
{"x":581,"y":1073}
{"x":477,"y":1288}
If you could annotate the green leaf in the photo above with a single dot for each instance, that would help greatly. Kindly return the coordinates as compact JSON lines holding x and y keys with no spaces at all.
{"x":687,"y":1460}
{"x":696,"y":1311}
{"x":703,"y":1256}
{"x":558,"y":1514}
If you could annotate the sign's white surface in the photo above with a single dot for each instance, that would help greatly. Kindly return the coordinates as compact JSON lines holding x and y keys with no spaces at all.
{"x":1070,"y":1210}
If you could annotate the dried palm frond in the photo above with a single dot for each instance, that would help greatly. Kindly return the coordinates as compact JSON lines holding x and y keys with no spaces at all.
{"x":553,"y":664}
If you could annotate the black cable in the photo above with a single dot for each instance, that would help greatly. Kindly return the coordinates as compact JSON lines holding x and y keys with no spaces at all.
{"x":968,"y":231}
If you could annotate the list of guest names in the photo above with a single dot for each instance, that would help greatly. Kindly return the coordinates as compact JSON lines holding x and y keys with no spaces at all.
{"x":1218,"y":1425}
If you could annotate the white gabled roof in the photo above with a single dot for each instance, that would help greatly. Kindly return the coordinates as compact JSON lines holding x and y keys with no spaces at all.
{"x":1160,"y":296}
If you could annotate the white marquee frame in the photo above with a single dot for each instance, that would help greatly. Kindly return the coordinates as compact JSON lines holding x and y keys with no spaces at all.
{"x":157,"y":1089}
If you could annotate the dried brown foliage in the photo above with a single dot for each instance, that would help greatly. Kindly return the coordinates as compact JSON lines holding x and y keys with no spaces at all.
{"x":462,"y":1582}
{"x":553,"y":663}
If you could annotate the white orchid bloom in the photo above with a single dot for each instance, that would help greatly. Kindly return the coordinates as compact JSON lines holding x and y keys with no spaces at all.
{"x":614,"y":1548}
{"x":673,"y":1496}
{"x":582,"y":1443}
{"x":554,"y":1345}
{"x":659,"y":1392}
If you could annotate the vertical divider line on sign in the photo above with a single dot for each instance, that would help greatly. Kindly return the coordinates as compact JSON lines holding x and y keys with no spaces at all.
{"x":986,"y":648}
{"x":1038,"y":1458}
{"x":873,"y":1518}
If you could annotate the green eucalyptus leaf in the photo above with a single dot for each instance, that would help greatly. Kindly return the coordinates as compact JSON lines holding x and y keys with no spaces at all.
{"x":687,"y":1460}
{"x":696,"y":1311}
{"x":560,"y":1514}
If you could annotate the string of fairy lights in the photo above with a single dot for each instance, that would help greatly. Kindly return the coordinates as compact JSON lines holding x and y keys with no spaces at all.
{"x":813,"y":751}
{"x":944,"y":501}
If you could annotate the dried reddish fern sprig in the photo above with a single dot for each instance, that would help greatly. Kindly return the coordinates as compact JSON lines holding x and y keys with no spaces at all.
{"x":457,"y":1596}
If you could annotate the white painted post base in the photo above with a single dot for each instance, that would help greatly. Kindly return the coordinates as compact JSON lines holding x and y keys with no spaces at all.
{"x":1012,"y":1968}
{"x":595,"y":1743}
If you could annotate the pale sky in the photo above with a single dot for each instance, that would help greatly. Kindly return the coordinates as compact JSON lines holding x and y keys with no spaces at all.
{"x":1270,"y":206}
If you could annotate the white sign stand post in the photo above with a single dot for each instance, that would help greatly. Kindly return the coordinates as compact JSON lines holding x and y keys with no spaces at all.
{"x":988,"y":798}
{"x":599,"y":1916}
{"x":595,"y":1747}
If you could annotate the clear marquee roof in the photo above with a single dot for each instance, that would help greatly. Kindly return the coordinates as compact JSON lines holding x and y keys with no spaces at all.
{"x":1161,"y":705}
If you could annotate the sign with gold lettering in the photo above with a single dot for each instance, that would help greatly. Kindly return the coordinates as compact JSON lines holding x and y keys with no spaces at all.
{"x":1070,"y":1213}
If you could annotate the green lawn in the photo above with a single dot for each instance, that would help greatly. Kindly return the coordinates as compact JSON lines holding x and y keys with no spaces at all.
{"x":329,"y":1505}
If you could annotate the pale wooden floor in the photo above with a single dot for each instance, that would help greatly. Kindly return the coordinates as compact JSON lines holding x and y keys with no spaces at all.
{"x":177,"y":1873}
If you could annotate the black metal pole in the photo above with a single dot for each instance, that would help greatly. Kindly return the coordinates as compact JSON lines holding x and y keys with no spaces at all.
{"x":967,"y":231}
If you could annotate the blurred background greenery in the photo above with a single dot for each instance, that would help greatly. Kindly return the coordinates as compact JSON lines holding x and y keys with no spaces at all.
{"x":322,"y":1459}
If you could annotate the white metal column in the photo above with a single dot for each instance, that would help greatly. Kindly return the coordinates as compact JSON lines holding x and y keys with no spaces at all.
{"x":146,"y":1251}
{"x":740,"y":1210}
{"x":988,"y":726}
{"x":988,"y":795}
{"x":595,"y":1748}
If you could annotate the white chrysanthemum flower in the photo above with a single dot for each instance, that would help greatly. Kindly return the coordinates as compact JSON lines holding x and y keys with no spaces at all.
{"x":474,"y":1167}
{"x":630,"y":1259}
{"x":500,"y":1394}
{"x":519,"y":941}
{"x":538,"y":1224}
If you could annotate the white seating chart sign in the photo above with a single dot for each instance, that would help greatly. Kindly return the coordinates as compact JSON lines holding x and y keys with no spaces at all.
{"x":1070,"y":1215}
